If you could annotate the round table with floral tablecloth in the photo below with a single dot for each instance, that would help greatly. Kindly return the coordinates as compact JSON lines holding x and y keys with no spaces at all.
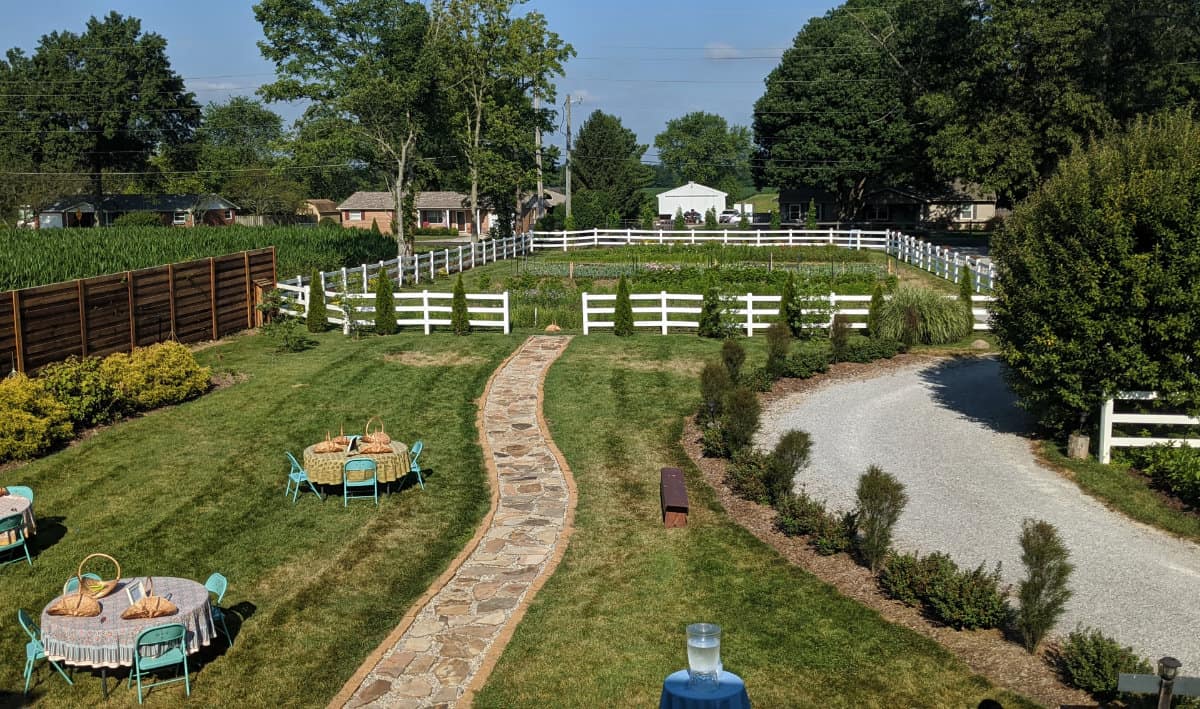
{"x":11,"y":505}
{"x":326,"y":468}
{"x":108,"y":640}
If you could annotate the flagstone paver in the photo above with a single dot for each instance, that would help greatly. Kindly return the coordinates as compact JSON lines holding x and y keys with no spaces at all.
{"x":455,"y":637}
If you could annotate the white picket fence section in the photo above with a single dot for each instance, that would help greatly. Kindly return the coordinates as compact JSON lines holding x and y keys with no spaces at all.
{"x":425,"y":309}
{"x":856,"y":239}
{"x":662,"y":306}
{"x":940,"y":261}
{"x":1108,"y":417}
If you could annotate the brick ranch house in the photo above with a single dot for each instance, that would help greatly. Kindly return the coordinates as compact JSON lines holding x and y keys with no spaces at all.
{"x":183,"y":210}
{"x":434,"y":210}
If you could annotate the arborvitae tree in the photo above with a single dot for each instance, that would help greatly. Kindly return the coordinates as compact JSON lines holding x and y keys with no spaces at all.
{"x":733,"y":355}
{"x":740,"y":420}
{"x":385,"y":305}
{"x":839,"y":336}
{"x":623,"y":314}
{"x":787,"y":305}
{"x":710,"y":218}
{"x":881,"y":499}
{"x":680,"y":223}
{"x":649,"y":216}
{"x":779,"y":341}
{"x":1044,"y":593}
{"x":965,"y":291}
{"x":316,"y":316}
{"x":375,"y":228}
{"x":810,"y":217}
{"x":710,"y":314}
{"x":873,"y":313}
{"x":460,"y":319}
{"x":714,"y":384}
{"x":776,"y":222}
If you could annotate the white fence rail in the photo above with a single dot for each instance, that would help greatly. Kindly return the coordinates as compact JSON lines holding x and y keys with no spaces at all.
{"x":1108,"y":416}
{"x":425,"y":309}
{"x":856,"y":239}
{"x":940,"y":261}
{"x":681,"y":311}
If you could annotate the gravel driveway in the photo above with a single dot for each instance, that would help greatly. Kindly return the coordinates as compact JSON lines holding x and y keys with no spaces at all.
{"x":951,"y":433}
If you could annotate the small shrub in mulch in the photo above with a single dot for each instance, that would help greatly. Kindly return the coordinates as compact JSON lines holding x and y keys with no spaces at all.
{"x":970,"y":599}
{"x":779,"y":342}
{"x":807,"y":363}
{"x":1091,"y":661}
{"x":828,"y":533}
{"x":714,"y":384}
{"x":759,"y":379}
{"x":1043,"y":594}
{"x":881,"y":499}
{"x":733,"y":355}
{"x":746,"y":475}
{"x":740,"y":420}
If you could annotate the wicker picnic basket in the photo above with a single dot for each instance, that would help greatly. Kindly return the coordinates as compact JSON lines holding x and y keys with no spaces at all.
{"x":376,"y":448}
{"x":342,"y":439}
{"x":84,"y":602}
{"x":328,"y":446}
{"x":379,"y":435}
{"x":150,"y":606}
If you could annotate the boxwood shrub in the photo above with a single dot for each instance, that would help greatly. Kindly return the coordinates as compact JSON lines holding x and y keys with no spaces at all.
{"x":31,"y":420}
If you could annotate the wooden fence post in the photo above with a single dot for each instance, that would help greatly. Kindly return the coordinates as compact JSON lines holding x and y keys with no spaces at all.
{"x":18,"y":340}
{"x":171,"y":297}
{"x":82,"y":318}
{"x":212,"y":292}
{"x":132,"y":324}
{"x":249,"y":293}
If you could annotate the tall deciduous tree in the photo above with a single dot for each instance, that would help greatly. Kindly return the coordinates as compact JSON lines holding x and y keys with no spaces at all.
{"x":369,"y":66}
{"x":703,"y":147}
{"x":240,"y":134}
{"x":101,"y":101}
{"x":607,"y":158}
{"x":494,"y":59}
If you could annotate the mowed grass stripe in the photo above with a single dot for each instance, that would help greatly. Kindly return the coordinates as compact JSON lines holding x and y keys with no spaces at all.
{"x":609,"y":625}
{"x":199,"y":488}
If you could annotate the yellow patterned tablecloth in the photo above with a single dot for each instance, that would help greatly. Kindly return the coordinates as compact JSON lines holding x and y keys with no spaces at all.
{"x":326,"y":468}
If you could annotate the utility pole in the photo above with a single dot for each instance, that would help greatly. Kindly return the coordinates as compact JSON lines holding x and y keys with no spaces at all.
{"x":569,"y":102}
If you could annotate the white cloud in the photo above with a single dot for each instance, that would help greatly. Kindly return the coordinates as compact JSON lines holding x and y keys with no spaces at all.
{"x":721,"y":50}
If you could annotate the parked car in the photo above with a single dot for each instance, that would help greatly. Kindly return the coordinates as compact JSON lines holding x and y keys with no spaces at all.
{"x":729,"y":216}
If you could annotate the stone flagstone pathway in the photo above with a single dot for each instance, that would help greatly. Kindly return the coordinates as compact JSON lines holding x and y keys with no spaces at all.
{"x":448,"y":646}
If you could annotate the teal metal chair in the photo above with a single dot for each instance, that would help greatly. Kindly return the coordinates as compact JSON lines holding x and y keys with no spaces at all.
{"x":15,"y":525}
{"x":297,"y":477}
{"x":360,"y":465}
{"x":414,"y":466}
{"x":217,"y":584}
{"x":72,"y":584}
{"x":21,"y":491}
{"x":34,"y":650}
{"x":174,"y":636}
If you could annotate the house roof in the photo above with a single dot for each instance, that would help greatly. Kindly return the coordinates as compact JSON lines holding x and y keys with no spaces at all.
{"x":386,"y":201}
{"x":143,"y":203}
{"x":693,"y":189}
{"x":322,"y":206}
{"x":441,"y":200}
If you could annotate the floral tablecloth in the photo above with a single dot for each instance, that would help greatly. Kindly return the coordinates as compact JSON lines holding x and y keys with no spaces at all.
{"x":11,"y":505}
{"x":107,"y":640}
{"x":326,"y":468}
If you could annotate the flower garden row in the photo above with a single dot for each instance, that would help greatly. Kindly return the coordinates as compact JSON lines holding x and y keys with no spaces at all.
{"x":40,"y":413}
{"x":965,"y":599}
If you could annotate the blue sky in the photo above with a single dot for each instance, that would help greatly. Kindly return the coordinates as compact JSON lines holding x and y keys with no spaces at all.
{"x":646,"y":62}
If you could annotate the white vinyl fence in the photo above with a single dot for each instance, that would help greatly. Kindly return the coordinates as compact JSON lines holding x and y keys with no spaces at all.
{"x":856,"y":239}
{"x":1108,"y":417}
{"x":425,"y":309}
{"x":940,"y":261}
{"x":681,"y":311}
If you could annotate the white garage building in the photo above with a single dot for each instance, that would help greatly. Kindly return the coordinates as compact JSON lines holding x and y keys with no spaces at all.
{"x":691,"y":197}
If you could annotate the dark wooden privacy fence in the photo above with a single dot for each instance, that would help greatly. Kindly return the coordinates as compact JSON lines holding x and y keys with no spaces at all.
{"x":189,"y":302}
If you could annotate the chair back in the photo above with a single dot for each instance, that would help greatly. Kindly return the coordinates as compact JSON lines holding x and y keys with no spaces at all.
{"x":359,"y":465}
{"x":29,"y":627}
{"x":296,"y":467}
{"x":21,"y":491}
{"x":416,"y":453}
{"x":217,"y":584}
{"x":13,"y":523}
{"x":72,"y":583}
{"x":160,"y":635}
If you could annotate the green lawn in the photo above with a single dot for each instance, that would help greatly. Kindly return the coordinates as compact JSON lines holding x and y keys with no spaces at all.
{"x":609,"y":625}
{"x":199,"y":488}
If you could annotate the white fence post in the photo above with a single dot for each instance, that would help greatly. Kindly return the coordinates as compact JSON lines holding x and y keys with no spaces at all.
{"x":789,"y":236}
{"x":832,"y":309}
{"x":431,"y":273}
{"x":425,"y":309}
{"x":364,"y":279}
{"x":460,"y":260}
{"x":663,"y":294}
{"x":507,"y":317}
{"x":585,"y":312}
{"x":1104,"y":445}
{"x":749,"y":315}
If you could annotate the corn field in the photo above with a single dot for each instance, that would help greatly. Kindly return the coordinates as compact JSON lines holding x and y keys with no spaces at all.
{"x":33,"y":258}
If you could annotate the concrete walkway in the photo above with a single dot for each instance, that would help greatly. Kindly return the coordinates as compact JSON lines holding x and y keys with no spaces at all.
{"x":952,"y":433}
{"x":446,"y":646}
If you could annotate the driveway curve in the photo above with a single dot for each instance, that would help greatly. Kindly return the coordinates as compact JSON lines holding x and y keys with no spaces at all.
{"x":952,"y":433}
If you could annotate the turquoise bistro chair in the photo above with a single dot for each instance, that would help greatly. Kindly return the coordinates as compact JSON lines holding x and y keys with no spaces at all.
{"x":173,"y":635}
{"x":34,"y":650}
{"x":216,"y":585}
{"x":72,"y":584}
{"x":360,"y":465}
{"x":415,"y":467}
{"x":15,"y":525}
{"x":297,"y":477}
{"x":21,"y":491}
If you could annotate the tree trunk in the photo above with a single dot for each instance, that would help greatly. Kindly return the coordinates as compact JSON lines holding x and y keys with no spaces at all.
{"x":97,"y":180}
{"x":475,"y":169}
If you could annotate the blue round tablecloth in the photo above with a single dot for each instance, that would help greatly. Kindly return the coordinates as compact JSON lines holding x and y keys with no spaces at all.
{"x":730,"y":693}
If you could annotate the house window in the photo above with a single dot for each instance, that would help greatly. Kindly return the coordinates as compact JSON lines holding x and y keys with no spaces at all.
{"x":793,"y":213}
{"x":432,"y":217}
{"x":228,"y":215}
{"x":877,"y":212}
{"x":966,"y":213}
{"x":355,"y":215}
{"x":180,"y":219}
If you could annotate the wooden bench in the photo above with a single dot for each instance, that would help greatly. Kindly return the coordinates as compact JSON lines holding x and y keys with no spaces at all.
{"x":673,"y":496}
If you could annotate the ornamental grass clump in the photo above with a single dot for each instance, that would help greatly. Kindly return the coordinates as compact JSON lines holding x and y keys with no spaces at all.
{"x":1043,"y":594}
{"x":881,"y":499}
{"x":385,"y":305}
{"x":921,"y":316}
{"x":316,"y":316}
{"x":623,"y":312}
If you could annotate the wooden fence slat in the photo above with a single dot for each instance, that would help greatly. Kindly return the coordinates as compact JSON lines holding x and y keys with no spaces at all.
{"x":18,"y":336}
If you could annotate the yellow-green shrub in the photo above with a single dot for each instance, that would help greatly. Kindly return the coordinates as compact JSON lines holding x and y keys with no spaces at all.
{"x":158,"y":375}
{"x":80,"y":385}
{"x":31,"y":419}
